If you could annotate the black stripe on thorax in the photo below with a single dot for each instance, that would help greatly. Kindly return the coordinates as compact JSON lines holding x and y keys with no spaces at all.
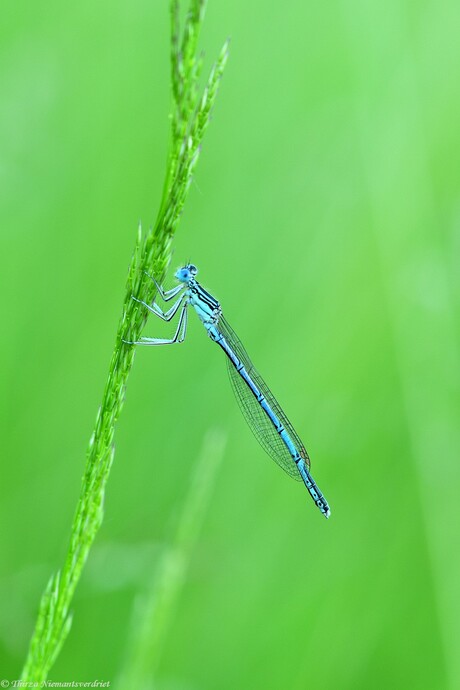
{"x":205,"y":296}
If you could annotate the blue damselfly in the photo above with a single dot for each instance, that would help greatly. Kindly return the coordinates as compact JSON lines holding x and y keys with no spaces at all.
{"x":264,"y":415}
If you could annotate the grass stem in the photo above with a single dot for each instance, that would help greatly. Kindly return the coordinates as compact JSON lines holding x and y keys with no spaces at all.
{"x":152,"y":253}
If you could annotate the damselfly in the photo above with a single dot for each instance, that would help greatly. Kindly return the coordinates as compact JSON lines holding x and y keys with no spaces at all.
{"x":264,"y":415}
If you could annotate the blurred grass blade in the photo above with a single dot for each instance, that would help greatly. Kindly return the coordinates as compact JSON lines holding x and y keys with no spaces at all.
{"x":153,"y":614}
{"x":421,"y":309}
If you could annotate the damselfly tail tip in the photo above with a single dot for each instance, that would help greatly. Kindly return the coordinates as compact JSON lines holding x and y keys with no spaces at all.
{"x":327,"y":514}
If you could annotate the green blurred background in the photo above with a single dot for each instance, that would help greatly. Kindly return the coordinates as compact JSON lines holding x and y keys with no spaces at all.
{"x":325,"y":216}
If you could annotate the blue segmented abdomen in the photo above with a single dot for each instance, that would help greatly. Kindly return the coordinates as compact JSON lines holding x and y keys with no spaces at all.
{"x":266,"y":424}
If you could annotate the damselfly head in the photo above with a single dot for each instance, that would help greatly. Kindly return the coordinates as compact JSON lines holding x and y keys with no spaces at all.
{"x":186,"y":273}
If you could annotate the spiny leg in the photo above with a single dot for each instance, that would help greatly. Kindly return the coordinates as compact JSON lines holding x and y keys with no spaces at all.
{"x":179,"y":335}
{"x":166,"y":294}
{"x":155,"y":309}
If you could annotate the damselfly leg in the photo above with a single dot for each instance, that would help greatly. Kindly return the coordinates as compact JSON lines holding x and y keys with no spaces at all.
{"x":179,"y":335}
{"x":155,"y":309}
{"x":166,"y":294}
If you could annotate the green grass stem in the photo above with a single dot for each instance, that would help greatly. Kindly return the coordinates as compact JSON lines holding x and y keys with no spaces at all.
{"x":189,"y":120}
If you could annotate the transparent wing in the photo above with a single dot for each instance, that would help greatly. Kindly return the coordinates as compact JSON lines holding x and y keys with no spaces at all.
{"x":256,"y":418}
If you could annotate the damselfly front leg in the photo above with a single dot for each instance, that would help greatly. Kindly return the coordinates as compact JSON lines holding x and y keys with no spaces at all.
{"x":166,"y":294}
{"x":155,"y":309}
{"x":179,"y":335}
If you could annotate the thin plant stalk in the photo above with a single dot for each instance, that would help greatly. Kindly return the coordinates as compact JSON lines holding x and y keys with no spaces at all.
{"x":154,"y":612}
